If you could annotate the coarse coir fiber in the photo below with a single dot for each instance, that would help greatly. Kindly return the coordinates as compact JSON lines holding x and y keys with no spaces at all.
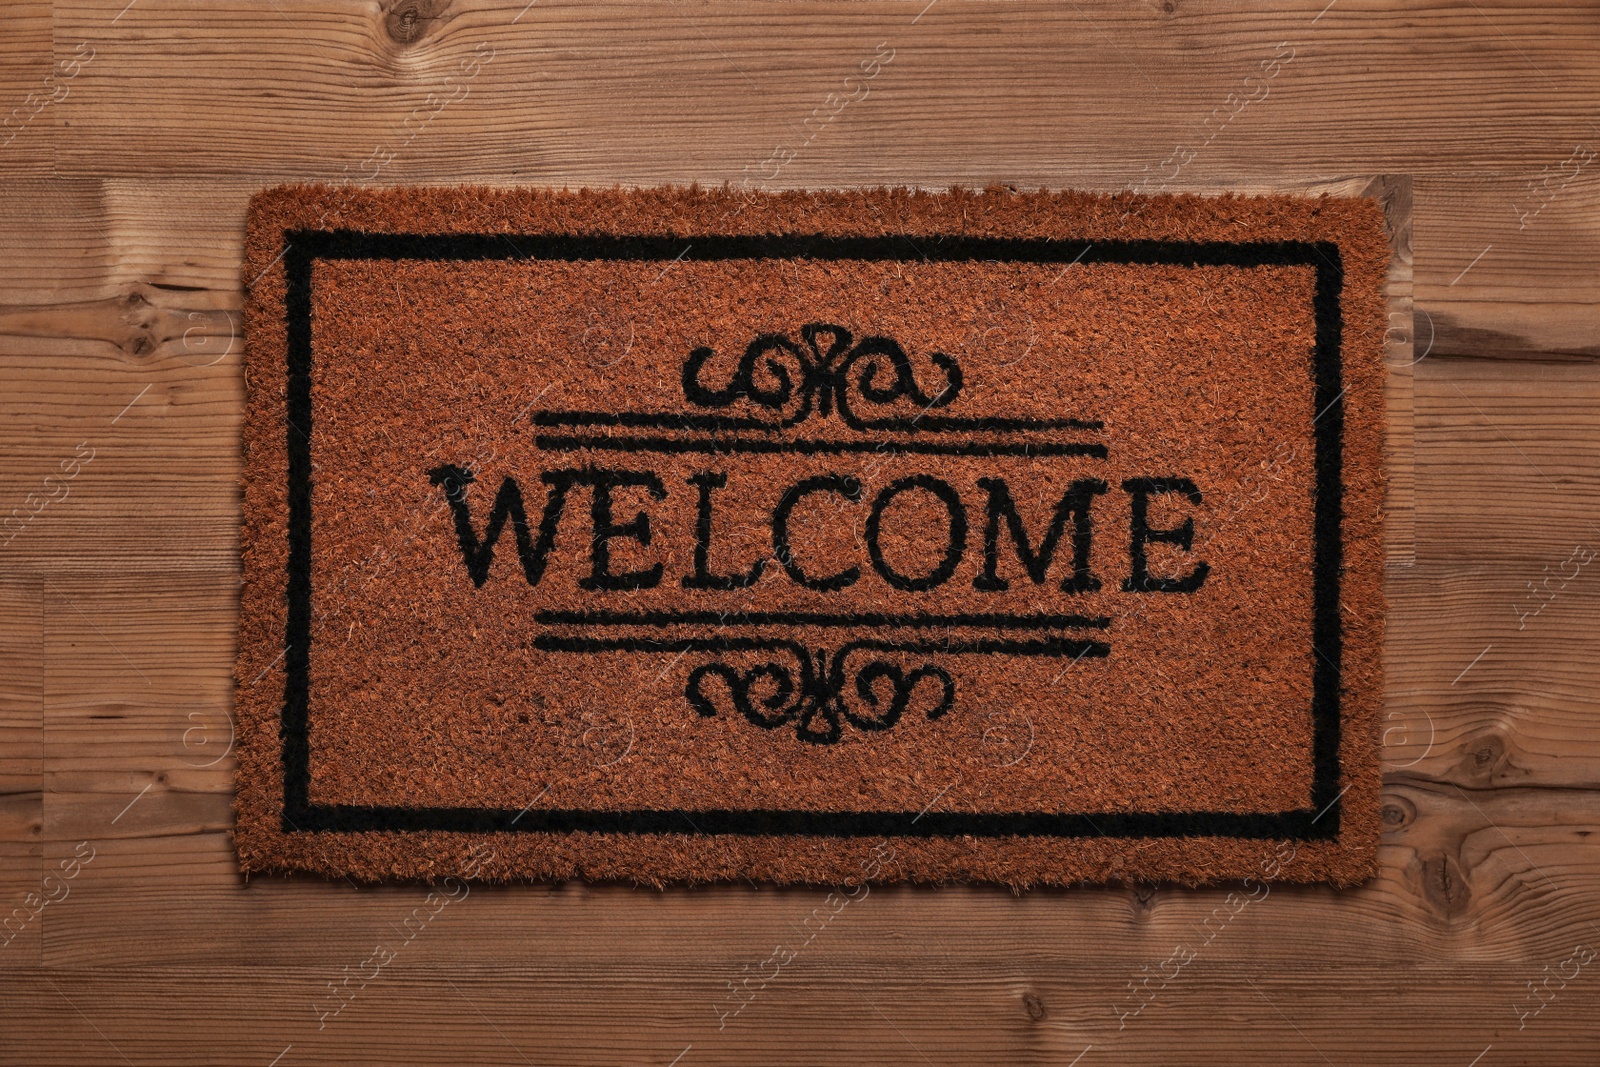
{"x":684,"y":535}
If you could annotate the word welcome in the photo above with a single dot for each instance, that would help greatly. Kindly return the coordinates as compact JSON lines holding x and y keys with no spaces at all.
{"x":1002,"y":525}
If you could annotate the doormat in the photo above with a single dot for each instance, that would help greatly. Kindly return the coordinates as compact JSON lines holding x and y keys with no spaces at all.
{"x":680,"y":535}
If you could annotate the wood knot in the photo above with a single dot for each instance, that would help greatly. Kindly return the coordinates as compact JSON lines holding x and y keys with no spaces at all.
{"x":1445,"y":886}
{"x":1169,"y":7}
{"x":1485,"y":756}
{"x":1397,"y":814}
{"x":407,"y":21}
{"x":1033,"y":1006}
{"x":1144,"y":893}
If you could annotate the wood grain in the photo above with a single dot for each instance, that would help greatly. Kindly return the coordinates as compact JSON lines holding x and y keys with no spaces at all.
{"x":667,"y":92}
{"x":21,"y":771}
{"x":829,"y":1008}
{"x":28,"y":91}
{"x":119,"y":300}
{"x":1496,"y":875}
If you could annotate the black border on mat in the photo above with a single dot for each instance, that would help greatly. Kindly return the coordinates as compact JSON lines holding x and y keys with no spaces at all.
{"x":1320,"y":820}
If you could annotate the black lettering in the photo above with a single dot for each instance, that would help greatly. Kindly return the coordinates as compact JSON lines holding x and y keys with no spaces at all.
{"x":843,"y":484}
{"x":702,"y":578}
{"x":478,"y":553}
{"x":955,"y":530}
{"x":1141,"y":581}
{"x":1074,"y":502}
{"x":606,"y":529}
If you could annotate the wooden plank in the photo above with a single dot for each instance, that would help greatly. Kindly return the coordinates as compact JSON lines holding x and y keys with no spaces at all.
{"x":662,"y":92}
{"x":21,"y":684}
{"x":1506,"y":458}
{"x":149,"y":688}
{"x":31,"y":87}
{"x":822,"y":1009}
{"x":148,"y":270}
{"x":1508,"y":269}
{"x":61,"y":222}
{"x":1468,"y":876}
{"x":1473,"y":699}
{"x":21,"y":772}
{"x":138,"y":243}
{"x":1491,"y":652}
{"x":121,"y":346}
{"x":125,"y":466}
{"x":1400,"y":443}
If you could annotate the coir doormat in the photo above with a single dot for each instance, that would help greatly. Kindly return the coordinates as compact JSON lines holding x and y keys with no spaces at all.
{"x":677,"y":535}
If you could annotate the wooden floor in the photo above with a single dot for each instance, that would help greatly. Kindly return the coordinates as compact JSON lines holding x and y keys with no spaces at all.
{"x":137,"y":131}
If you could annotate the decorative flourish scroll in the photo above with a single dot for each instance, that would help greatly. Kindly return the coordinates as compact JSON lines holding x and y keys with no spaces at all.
{"x":817,"y":697}
{"x":827,"y":370}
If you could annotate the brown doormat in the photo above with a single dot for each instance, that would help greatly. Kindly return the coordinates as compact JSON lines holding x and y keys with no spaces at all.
{"x":676,"y":536}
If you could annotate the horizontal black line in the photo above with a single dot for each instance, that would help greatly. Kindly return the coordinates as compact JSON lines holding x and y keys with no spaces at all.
{"x":803,"y":618}
{"x":354,"y":244}
{"x":1051,"y":647}
{"x":649,"y":420}
{"x":1002,"y":425}
{"x":652,"y":420}
{"x":814,"y":447}
{"x":1299,"y":824}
